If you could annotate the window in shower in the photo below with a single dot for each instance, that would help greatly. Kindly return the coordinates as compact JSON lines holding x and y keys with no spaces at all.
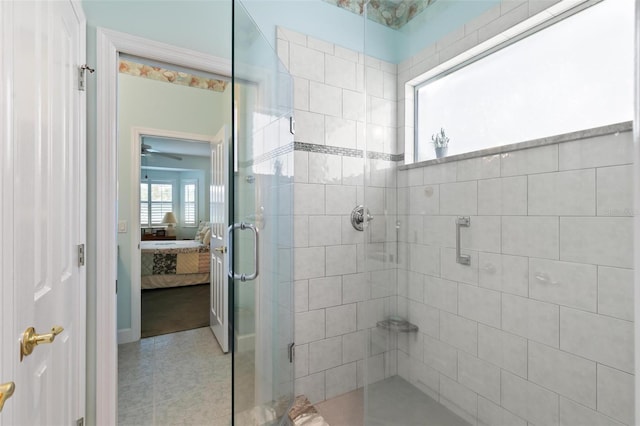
{"x":573,"y":75}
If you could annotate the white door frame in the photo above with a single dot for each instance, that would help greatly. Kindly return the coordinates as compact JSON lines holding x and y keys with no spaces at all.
{"x":132,"y":334}
{"x":109,"y":45}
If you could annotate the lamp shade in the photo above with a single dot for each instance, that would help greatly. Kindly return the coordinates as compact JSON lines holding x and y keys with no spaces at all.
{"x":170,"y":218}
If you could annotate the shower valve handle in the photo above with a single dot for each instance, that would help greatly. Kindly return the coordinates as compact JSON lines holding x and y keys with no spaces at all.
{"x":358,"y":217}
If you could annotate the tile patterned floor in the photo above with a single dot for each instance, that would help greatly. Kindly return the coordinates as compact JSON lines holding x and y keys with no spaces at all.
{"x":175,"y":379}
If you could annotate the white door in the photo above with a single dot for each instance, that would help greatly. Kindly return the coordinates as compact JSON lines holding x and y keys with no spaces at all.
{"x":219,"y":311}
{"x":43,"y":210}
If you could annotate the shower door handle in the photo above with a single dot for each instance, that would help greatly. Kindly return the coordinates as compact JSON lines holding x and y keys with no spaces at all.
{"x":463,"y":259}
{"x":256,"y":252}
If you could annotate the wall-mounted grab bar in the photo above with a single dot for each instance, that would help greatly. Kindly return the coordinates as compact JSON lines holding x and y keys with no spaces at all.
{"x":463,"y":259}
{"x":256,"y":256}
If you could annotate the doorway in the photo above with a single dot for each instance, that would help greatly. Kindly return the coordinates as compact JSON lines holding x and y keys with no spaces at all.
{"x":168,"y":118}
{"x":261,"y":184}
{"x":174,"y":277}
{"x":167,"y":121}
{"x":111,"y":45}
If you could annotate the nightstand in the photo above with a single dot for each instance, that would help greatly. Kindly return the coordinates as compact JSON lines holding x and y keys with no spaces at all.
{"x":152,"y":237}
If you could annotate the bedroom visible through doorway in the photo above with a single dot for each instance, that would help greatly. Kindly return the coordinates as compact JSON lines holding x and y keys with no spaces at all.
{"x":168,"y":120}
{"x":175,"y":231}
{"x":169,"y":126}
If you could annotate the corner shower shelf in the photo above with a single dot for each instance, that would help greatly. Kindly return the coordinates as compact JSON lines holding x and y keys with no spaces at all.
{"x":398,"y":325}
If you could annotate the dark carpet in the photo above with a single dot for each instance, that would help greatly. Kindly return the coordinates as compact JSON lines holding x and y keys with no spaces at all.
{"x":168,"y":310}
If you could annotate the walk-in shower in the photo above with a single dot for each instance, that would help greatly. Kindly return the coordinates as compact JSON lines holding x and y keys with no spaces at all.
{"x":493,"y":285}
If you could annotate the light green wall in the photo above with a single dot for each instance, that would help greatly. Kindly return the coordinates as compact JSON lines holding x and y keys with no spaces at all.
{"x":327,"y":22}
{"x":433,"y":23}
{"x":163,"y":106}
{"x":204,"y":26}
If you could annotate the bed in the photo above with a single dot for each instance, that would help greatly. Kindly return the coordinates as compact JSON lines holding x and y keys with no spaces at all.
{"x":174,"y":263}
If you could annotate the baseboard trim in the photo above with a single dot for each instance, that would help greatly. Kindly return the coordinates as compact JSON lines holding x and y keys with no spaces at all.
{"x":126,"y":335}
{"x":245,"y":342}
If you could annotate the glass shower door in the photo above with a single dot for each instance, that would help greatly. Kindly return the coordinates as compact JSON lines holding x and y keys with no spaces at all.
{"x":261,"y":233}
{"x":501,"y":280}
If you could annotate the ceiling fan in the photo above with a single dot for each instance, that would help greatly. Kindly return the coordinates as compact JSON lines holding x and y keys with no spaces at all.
{"x":148,"y":150}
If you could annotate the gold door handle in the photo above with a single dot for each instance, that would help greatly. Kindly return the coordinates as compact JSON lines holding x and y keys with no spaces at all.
{"x":6,"y":391}
{"x":30,"y":339}
{"x":222,"y":249}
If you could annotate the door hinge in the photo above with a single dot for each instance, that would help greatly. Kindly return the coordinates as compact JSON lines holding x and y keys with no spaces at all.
{"x":80,"y":421}
{"x":292,"y":351}
{"x":292,"y":125}
{"x":81,"y":255}
{"x":82,"y":76}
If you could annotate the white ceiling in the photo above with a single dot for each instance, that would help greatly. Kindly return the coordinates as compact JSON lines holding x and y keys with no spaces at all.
{"x":178,"y":146}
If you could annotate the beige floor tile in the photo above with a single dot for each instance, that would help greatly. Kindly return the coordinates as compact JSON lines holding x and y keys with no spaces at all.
{"x":175,"y":379}
{"x":140,"y":416}
{"x":134,"y":395}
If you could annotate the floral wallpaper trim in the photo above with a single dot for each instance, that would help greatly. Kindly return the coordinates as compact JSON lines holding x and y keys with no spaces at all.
{"x":392,"y":13}
{"x":169,"y":76}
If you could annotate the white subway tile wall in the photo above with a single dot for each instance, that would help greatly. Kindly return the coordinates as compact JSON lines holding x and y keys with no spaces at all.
{"x":541,"y":320}
{"x":537,"y":329}
{"x":547,"y":301}
{"x":337,"y":303}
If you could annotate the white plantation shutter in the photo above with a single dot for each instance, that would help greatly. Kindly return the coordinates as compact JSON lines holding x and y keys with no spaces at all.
{"x":156,"y":199}
{"x":144,"y":204}
{"x":189,"y":204}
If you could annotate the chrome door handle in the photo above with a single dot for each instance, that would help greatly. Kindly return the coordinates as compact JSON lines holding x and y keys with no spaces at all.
{"x":463,"y":259}
{"x":256,"y":252}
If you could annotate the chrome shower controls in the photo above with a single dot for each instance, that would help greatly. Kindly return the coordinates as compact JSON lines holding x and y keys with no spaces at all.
{"x":358,"y":217}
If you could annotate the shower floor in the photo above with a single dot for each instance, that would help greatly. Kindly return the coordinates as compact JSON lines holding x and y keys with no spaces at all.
{"x":392,"y":401}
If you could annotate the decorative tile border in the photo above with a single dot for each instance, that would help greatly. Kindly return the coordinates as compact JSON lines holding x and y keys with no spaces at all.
{"x":392,"y":13}
{"x":321,"y":149}
{"x":169,"y":76}
{"x":346,"y":152}
{"x":386,"y":157}
{"x":268,"y":155}
{"x":328,"y":149}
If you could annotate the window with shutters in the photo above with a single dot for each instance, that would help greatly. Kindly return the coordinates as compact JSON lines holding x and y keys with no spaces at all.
{"x":156,"y":199}
{"x":190,"y":202}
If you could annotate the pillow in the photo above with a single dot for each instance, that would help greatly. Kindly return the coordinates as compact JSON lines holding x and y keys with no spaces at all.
{"x":205,"y":230}
{"x":202,"y":229}
{"x":206,"y":240}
